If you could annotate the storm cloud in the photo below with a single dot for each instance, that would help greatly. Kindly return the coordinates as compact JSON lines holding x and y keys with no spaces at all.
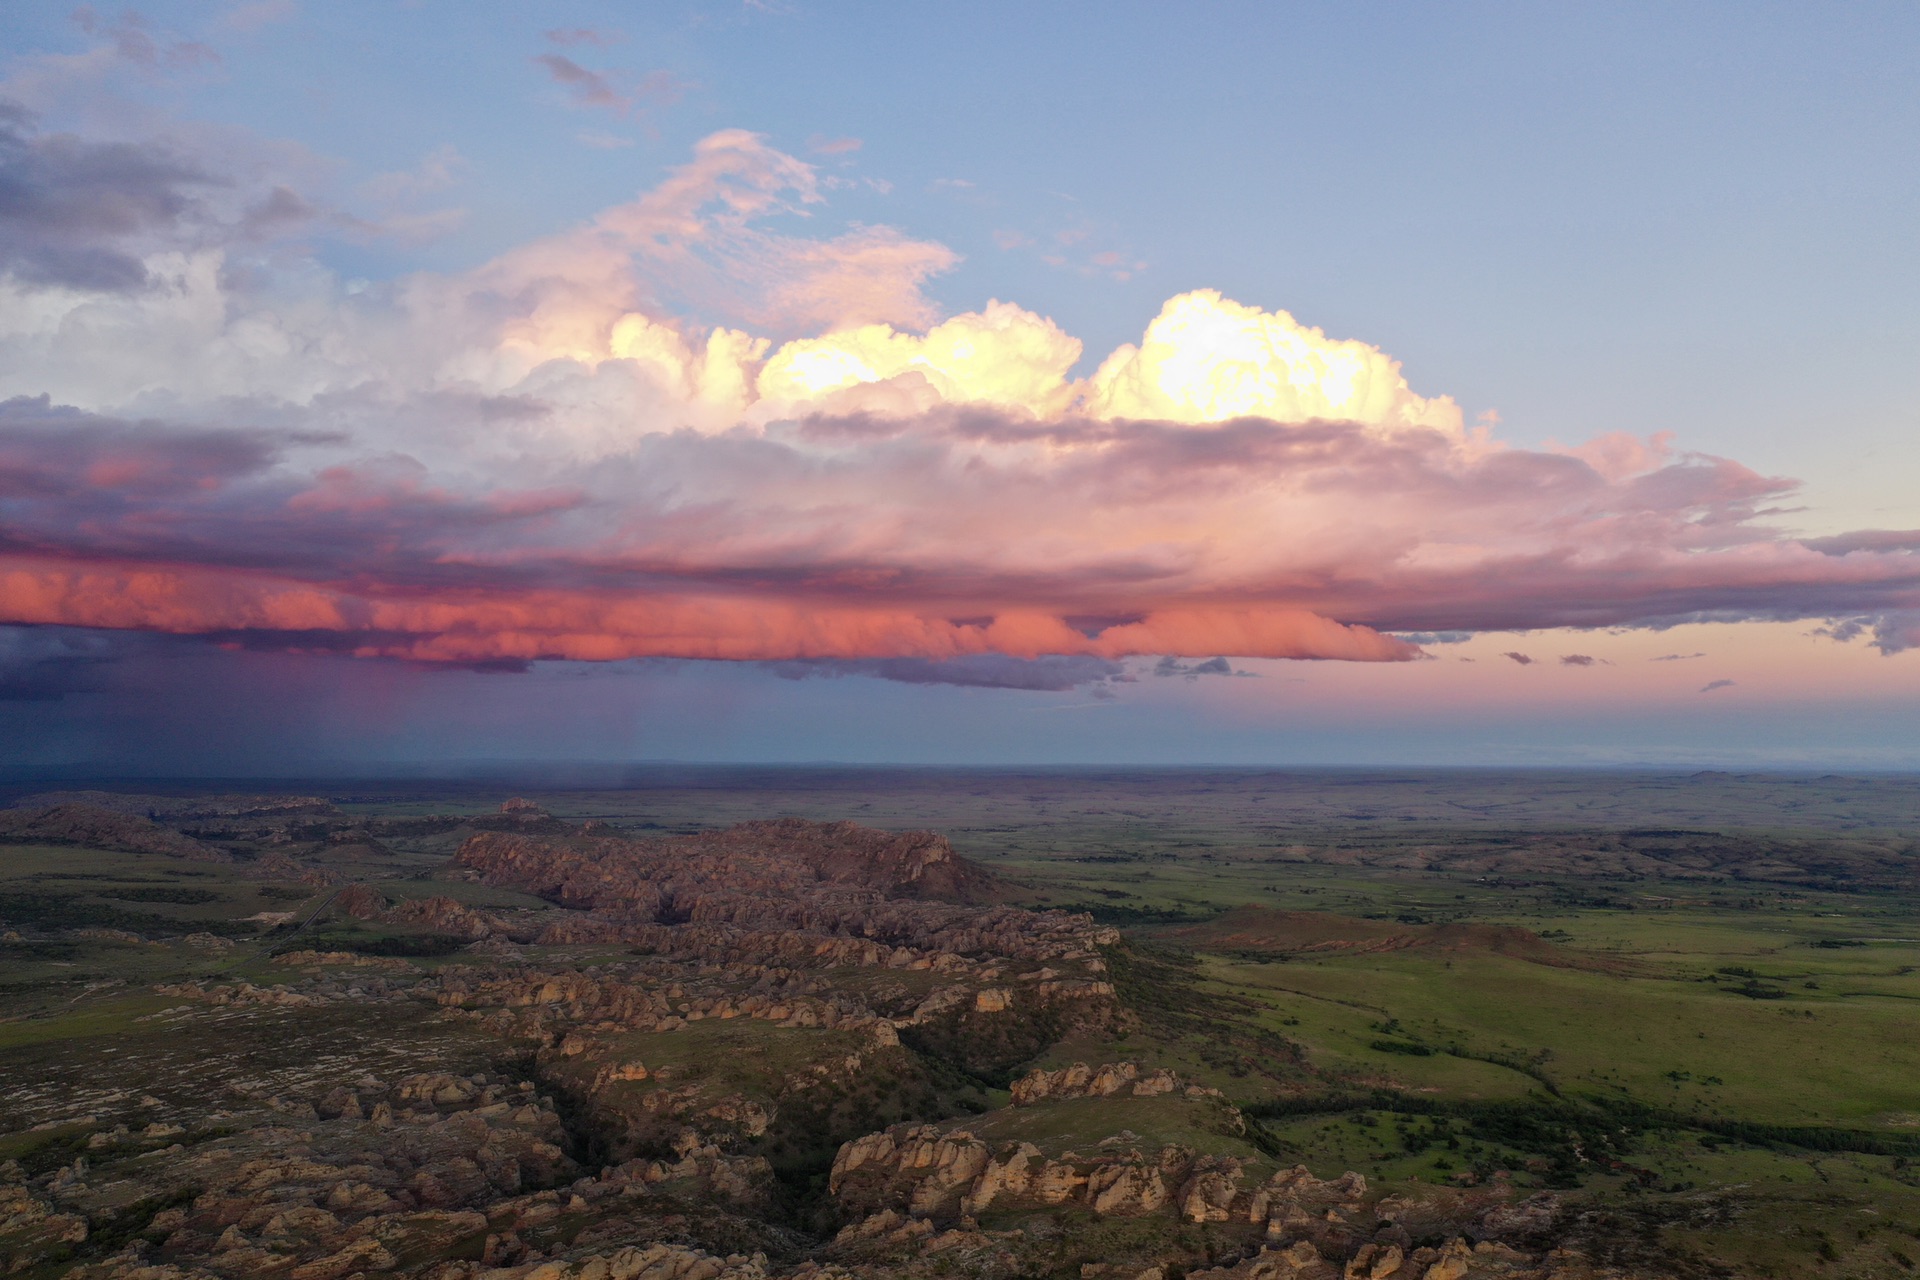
{"x":79,"y":215}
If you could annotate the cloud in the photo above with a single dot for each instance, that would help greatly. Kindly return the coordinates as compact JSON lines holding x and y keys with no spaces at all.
{"x":596,"y":89}
{"x":594,"y":36}
{"x":260,"y":13}
{"x":1206,"y":358}
{"x":686,"y":428}
{"x":133,"y":40}
{"x":1577,"y":660}
{"x":1892,"y":631}
{"x":1867,"y":540}
{"x":1710,"y":686}
{"x":78,"y":214}
{"x":822,"y":145}
{"x":1170,"y":666}
{"x":1518,"y":657}
{"x":1676,"y":657}
{"x":46,"y":664}
{"x":589,"y":88}
{"x":699,"y":243}
{"x":1054,"y":673}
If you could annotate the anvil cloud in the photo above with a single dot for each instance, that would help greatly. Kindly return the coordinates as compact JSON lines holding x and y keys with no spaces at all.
{"x":686,"y":430}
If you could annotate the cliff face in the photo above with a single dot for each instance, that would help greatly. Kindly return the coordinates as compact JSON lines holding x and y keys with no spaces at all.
{"x":929,"y":1174}
{"x":905,"y":1184}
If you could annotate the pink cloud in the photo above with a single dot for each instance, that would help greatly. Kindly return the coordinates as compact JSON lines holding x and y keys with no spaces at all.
{"x":866,"y":538}
{"x":570,"y":452}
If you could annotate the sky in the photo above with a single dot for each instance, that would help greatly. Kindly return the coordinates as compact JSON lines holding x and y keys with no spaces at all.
{"x":425,"y":384}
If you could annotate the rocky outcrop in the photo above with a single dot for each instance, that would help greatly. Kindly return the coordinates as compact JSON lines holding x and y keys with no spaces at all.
{"x":348,"y":1181}
{"x":775,"y":907}
{"x":98,"y":828}
{"x":1082,"y":1081}
{"x":791,"y":892}
{"x":1458,"y":1259}
{"x":184,"y":808}
{"x":924,"y":1173}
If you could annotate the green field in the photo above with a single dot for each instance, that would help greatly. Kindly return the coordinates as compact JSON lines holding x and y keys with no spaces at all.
{"x":1693,"y":1003}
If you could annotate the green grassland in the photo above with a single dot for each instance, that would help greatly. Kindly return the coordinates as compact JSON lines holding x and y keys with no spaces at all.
{"x":1693,"y":1002}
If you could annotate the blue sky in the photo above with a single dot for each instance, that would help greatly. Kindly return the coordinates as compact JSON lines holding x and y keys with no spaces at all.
{"x":1686,"y":218}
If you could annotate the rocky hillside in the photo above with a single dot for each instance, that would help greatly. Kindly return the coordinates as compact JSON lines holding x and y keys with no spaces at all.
{"x":780,"y":1051}
{"x":99,"y":828}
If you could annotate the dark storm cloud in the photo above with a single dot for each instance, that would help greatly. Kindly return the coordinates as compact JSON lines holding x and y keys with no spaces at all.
{"x":45,"y":664}
{"x":75,"y":213}
{"x":89,"y":486}
{"x":1866,"y":540}
{"x":1171,"y":666}
{"x":50,"y":451}
{"x":1051,"y":674}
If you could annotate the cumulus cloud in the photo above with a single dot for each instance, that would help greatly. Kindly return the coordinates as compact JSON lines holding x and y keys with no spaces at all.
{"x":1206,"y":358}
{"x":686,"y":429}
{"x":1577,"y":660}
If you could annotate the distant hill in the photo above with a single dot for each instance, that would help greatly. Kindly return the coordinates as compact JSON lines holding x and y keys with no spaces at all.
{"x":94,"y":827}
{"x":181,"y":808}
